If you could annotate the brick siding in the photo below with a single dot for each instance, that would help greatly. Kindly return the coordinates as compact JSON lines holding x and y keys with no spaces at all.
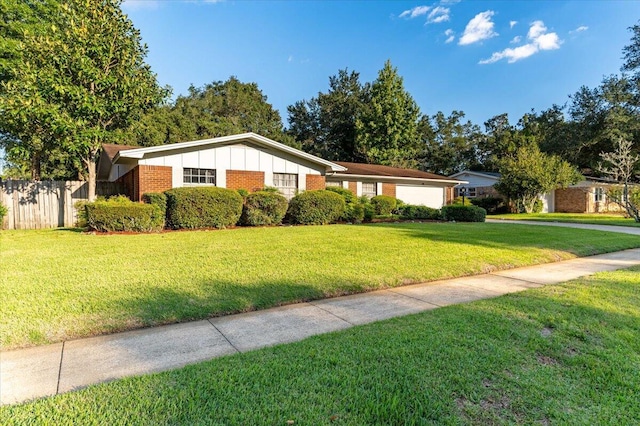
{"x":244,"y":179}
{"x":353,"y":187}
{"x":449,"y":195}
{"x":571,"y":200}
{"x":315,"y":182}
{"x":389,"y":189}
{"x":143,"y":179}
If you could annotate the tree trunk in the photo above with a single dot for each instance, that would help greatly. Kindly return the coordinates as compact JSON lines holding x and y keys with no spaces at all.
{"x":35,"y":165}
{"x":90,"y":164}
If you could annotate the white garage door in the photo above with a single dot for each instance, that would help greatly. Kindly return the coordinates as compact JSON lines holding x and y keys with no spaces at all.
{"x":421,"y":195}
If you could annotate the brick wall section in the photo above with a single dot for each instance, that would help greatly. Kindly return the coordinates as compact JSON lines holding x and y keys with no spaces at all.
{"x":353,"y":187}
{"x":389,"y":189}
{"x":572,"y":200}
{"x":153,"y":179}
{"x":449,"y":193}
{"x":244,"y":179}
{"x":130,"y":183}
{"x":142,"y":179}
{"x":315,"y":182}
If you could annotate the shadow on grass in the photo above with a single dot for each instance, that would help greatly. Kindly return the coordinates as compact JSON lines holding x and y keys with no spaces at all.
{"x":504,"y":236}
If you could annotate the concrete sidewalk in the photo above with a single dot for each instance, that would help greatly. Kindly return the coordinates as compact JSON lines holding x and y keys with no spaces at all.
{"x":63,"y":367}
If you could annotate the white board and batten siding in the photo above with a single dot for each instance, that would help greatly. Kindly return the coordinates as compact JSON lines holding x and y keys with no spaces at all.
{"x":234,"y":157}
{"x":430,"y":196}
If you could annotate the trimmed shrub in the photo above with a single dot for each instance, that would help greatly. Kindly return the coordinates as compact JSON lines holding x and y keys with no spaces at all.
{"x":413,"y":212}
{"x":263,"y":208}
{"x":243,"y":193}
{"x":460,"y":213}
{"x":316,"y":207}
{"x":353,"y":210}
{"x":383,"y":204}
{"x":538,"y":206}
{"x":159,"y":201}
{"x":490,"y":204}
{"x":121,"y":216}
{"x":348,"y":196}
{"x":208,"y":207}
{"x":369,"y":211}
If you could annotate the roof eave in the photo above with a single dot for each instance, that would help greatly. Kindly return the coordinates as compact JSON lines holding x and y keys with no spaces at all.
{"x":380,"y":177}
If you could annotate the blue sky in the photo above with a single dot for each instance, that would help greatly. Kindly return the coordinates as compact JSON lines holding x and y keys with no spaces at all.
{"x":481,"y":57}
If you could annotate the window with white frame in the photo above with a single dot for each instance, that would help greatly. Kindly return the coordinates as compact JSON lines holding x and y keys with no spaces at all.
{"x":469,"y":192}
{"x":199,"y":176}
{"x":599,"y":195}
{"x":334,"y":183}
{"x":369,"y":189}
{"x":287,"y":184}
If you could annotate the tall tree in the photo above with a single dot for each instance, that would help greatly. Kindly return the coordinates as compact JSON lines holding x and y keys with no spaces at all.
{"x":82,"y":80}
{"x":450,"y":143}
{"x":216,"y":109}
{"x":387,"y":129}
{"x":326,"y":124}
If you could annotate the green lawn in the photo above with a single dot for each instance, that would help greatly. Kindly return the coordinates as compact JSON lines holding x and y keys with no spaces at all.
{"x":563,"y":354}
{"x":597,"y":219}
{"x":62,"y":284}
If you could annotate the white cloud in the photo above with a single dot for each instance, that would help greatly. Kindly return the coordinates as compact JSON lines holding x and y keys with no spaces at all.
{"x":539,"y":39}
{"x":415,"y":12}
{"x":516,"y":39}
{"x":450,"y":1}
{"x":478,"y":29}
{"x":438,"y":14}
{"x":580,"y":29}
{"x":512,"y":24}
{"x":450,"y":35}
{"x":290,"y":58}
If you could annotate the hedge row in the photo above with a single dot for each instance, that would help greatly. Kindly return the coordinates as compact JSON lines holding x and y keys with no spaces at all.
{"x":213,"y":207}
{"x":118,"y":216}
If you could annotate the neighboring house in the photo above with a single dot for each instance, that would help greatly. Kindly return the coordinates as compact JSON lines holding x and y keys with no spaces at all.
{"x":250,"y":161}
{"x":408,"y":185}
{"x":479,"y":184}
{"x":587,"y":196}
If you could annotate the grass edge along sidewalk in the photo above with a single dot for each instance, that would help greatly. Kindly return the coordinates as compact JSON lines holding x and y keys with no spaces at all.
{"x":135,"y":281}
{"x":530,"y":357}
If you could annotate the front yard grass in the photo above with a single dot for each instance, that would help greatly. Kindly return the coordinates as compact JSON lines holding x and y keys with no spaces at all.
{"x":60,"y":284}
{"x":595,"y":219}
{"x":562,"y":354}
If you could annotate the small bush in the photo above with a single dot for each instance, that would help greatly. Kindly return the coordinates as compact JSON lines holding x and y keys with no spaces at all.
{"x":413,"y":212}
{"x":353,"y":210}
{"x":316,"y":208}
{"x":243,"y":193}
{"x":122,"y":216}
{"x":490,"y":204}
{"x":459,"y":200}
{"x":369,"y":211}
{"x":263,"y":208}
{"x":538,"y":206}
{"x":159,"y":201}
{"x":208,"y":207}
{"x":460,"y":213}
{"x":383,"y":204}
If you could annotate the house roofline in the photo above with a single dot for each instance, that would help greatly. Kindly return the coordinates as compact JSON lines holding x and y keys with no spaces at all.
{"x":395,"y":178}
{"x":139,"y":153}
{"x":475,"y":174}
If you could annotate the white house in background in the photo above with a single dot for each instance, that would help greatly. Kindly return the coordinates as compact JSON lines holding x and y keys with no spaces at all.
{"x":250,"y":161}
{"x":478,"y":184}
{"x":409,"y":185}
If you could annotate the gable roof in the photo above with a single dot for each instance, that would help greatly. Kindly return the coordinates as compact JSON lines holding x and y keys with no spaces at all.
{"x":379,"y":171}
{"x":490,"y":175}
{"x":139,"y":153}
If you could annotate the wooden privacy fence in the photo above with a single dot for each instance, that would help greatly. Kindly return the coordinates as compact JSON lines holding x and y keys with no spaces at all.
{"x":46,"y":204}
